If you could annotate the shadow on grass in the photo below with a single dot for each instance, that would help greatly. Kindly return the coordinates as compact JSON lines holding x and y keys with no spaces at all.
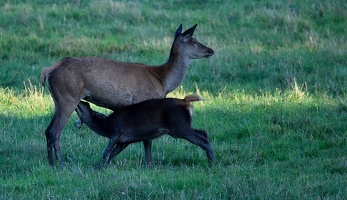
{"x":22,"y":144}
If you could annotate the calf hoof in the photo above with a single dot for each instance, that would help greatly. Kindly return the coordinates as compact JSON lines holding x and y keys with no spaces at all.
{"x":78,"y":123}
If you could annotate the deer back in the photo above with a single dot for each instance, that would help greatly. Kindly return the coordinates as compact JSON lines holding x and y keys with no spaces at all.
{"x":104,"y":82}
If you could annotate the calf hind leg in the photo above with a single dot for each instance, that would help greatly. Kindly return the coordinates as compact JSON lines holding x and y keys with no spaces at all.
{"x":201,"y":133}
{"x":199,"y":138}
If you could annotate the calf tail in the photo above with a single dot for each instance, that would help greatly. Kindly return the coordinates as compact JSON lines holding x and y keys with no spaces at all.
{"x":193,"y":97}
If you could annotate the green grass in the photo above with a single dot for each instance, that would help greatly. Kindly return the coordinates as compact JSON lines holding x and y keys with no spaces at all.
{"x":275,"y":109}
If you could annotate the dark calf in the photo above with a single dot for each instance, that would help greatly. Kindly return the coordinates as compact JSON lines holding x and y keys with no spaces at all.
{"x":145,"y":121}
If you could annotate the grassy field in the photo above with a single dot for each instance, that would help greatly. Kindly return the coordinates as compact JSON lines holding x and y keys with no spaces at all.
{"x":276,"y":90}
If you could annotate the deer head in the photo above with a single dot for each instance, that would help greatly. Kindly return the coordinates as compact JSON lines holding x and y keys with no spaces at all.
{"x":190,"y":46}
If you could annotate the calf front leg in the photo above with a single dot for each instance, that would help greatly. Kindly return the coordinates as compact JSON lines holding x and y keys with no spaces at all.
{"x":78,"y":123}
{"x":119,"y":148}
{"x":148,"y":151}
{"x":109,"y":149}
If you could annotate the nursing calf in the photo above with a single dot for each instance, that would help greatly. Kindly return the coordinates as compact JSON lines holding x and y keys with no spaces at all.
{"x":144,"y":121}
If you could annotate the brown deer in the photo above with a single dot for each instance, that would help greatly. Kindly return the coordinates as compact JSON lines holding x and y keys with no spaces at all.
{"x":145,"y":121}
{"x":111,"y":84}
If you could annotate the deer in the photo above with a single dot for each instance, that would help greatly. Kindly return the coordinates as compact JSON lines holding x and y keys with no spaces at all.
{"x":111,"y":84}
{"x":145,"y":121}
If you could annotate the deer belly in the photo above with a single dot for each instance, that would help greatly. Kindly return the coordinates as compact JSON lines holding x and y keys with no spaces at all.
{"x":113,"y":100}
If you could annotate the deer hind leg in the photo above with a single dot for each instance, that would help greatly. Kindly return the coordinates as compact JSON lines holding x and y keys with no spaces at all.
{"x":63,"y":110}
{"x":50,"y":140}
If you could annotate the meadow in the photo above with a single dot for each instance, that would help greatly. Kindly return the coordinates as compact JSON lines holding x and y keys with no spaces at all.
{"x":275,"y":90}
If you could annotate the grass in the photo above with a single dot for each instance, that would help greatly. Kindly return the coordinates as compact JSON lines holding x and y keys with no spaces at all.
{"x":275,"y":109}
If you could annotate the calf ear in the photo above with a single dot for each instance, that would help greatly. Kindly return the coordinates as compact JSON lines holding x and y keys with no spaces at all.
{"x":178,"y":31}
{"x":189,"y":33}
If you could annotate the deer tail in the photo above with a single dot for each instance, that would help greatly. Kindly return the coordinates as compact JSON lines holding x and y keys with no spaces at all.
{"x":43,"y":77}
{"x":46,"y":71}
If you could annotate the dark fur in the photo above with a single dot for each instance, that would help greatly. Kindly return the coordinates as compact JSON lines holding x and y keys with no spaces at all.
{"x":145,"y":121}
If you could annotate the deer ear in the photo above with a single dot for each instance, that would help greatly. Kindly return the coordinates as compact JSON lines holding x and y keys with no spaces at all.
{"x":189,"y":33}
{"x":178,"y":31}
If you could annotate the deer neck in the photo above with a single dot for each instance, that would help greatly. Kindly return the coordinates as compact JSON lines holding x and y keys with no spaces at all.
{"x":174,"y":70}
